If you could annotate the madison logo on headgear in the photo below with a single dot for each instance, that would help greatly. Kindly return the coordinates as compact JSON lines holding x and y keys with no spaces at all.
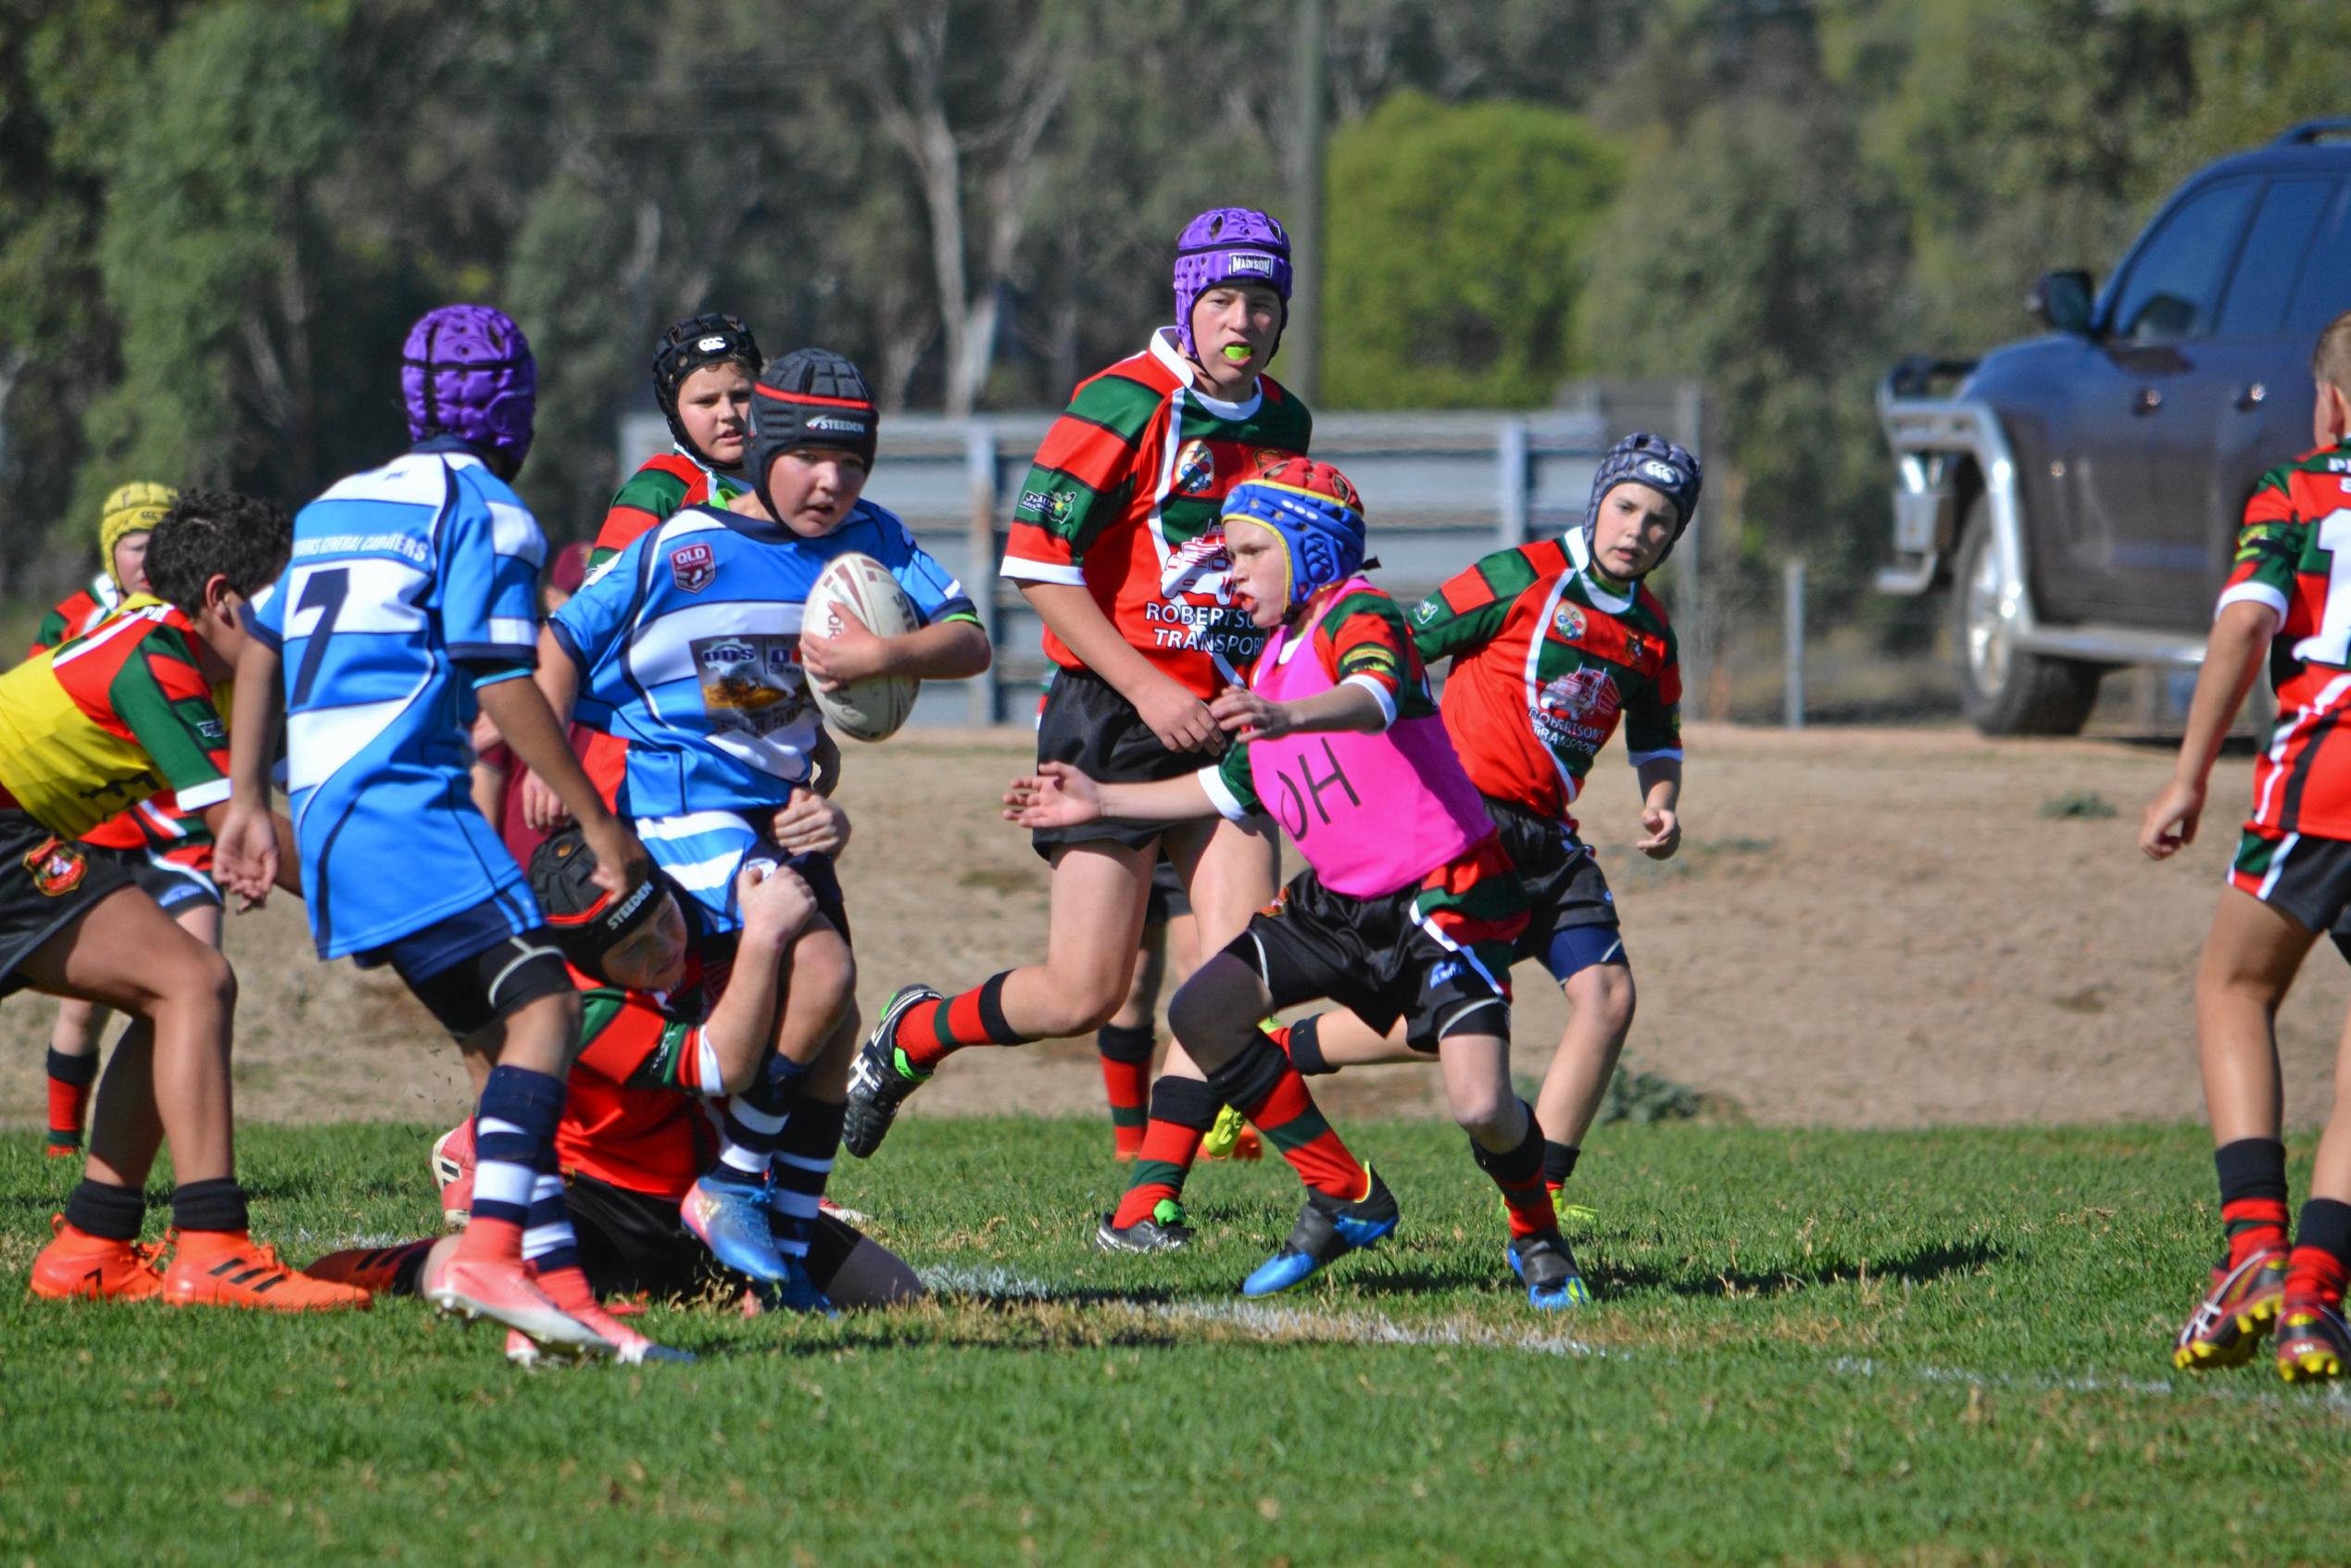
{"x":1249,"y":263}
{"x":693,"y":568}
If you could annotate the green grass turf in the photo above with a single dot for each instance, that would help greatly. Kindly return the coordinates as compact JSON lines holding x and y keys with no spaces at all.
{"x":1894,"y":1347}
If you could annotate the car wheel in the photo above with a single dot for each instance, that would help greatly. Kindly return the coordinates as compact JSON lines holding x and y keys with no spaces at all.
{"x":2004,"y":690}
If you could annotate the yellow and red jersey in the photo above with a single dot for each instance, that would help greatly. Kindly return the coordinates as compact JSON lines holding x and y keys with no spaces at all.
{"x":108,"y":718}
{"x":1548,"y":661}
{"x":2294,"y":555}
{"x":79,"y":611}
{"x":1124,"y":499}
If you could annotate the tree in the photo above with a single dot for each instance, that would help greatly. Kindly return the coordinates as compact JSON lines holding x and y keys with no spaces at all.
{"x":1455,"y":237}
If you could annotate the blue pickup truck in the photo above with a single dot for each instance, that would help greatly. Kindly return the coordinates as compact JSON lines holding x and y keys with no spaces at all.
{"x":2078,"y":491}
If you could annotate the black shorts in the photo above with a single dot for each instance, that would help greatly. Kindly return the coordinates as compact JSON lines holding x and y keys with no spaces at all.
{"x":1168,"y":900}
{"x":1570,"y":909}
{"x":1382,"y":958}
{"x":46,"y":884}
{"x":169,"y":884}
{"x":471,"y":970}
{"x":633,"y":1242}
{"x":1087,"y":724}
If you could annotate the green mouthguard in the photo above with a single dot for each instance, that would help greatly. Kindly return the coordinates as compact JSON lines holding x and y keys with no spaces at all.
{"x":1236,"y":352}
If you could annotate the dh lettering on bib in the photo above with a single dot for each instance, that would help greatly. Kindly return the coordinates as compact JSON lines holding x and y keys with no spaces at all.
{"x":1370,"y":814}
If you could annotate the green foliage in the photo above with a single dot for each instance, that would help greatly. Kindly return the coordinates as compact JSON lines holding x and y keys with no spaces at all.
{"x":1917,"y":1346}
{"x":1640,"y":1097}
{"x":1455,"y":234}
{"x":2078,"y":804}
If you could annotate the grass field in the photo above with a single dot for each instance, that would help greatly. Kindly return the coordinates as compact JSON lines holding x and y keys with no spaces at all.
{"x":1939,"y":1346}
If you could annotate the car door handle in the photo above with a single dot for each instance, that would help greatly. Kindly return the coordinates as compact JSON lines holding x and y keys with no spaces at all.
{"x":2252,"y":397}
{"x":2147,"y":401}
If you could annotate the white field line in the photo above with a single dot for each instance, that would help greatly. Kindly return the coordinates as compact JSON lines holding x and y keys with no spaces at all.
{"x":1298,"y":1323}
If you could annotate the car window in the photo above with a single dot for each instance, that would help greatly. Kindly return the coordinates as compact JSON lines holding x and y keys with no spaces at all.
{"x":2175,"y":280}
{"x":2271,"y":261}
{"x":2326,"y":278}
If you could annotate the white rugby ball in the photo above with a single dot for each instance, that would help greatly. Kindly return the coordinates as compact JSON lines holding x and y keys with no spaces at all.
{"x":872,"y":709}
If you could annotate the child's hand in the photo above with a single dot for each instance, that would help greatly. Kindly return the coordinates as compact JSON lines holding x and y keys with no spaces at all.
{"x":543,"y":810}
{"x":1664,"y":833}
{"x":1057,"y":796}
{"x":775,"y":900}
{"x":2171,"y":821}
{"x":809,"y":823}
{"x":1181,"y":721}
{"x":1241,"y":711}
{"x":852,"y":655}
{"x":244,"y":855}
{"x":621,"y":862}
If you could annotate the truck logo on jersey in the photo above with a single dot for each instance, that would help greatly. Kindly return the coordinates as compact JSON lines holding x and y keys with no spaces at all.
{"x":1583,"y":697}
{"x":693,"y":568}
{"x":1199,"y":567}
{"x":56,"y":867}
{"x":1195,"y":470}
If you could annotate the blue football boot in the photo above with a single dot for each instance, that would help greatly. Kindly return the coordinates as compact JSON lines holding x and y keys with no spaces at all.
{"x":728,"y":1212}
{"x":1326,"y":1231}
{"x":1549,"y":1270}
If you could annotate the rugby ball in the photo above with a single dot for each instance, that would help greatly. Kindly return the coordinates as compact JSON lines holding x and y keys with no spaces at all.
{"x":872,"y":709}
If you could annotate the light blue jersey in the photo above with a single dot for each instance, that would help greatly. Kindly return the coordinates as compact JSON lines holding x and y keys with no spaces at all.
{"x":397,"y":575}
{"x":688,"y":648}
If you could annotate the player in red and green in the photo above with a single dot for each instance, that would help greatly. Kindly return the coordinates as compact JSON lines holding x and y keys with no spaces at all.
{"x":87,"y":729}
{"x":2289,"y":883}
{"x":702,"y":373}
{"x":167,"y":850}
{"x":1553,"y":646}
{"x":1117,"y":542}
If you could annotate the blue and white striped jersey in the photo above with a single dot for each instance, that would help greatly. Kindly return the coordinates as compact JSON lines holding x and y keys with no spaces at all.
{"x":398,"y":574}
{"x":688,"y":648}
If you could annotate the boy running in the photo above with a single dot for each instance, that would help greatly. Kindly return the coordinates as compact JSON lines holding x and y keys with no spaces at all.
{"x":87,"y":729}
{"x":409,"y":602}
{"x":168,"y":849}
{"x":1555,"y":645}
{"x":688,"y":645}
{"x":1117,"y":543}
{"x":2289,"y":883}
{"x":1408,"y":905}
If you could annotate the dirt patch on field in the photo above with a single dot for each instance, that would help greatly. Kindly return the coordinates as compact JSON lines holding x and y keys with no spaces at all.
{"x":1867,"y":928}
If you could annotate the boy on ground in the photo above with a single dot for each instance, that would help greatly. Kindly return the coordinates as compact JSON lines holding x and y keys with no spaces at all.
{"x":1408,"y":905}
{"x":688,"y":645}
{"x":87,"y":729}
{"x":410,"y":601}
{"x":167,"y":849}
{"x":1553,"y":645}
{"x":2291,"y":882}
{"x":1117,"y":543}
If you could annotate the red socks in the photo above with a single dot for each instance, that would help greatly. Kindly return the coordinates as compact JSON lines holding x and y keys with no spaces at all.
{"x":930,"y":1032}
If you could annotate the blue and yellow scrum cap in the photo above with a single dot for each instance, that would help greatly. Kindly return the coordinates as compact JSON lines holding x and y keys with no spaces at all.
{"x":1314,"y":511}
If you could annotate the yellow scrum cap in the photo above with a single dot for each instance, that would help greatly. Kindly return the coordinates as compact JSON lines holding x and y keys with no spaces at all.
{"x":134,"y":507}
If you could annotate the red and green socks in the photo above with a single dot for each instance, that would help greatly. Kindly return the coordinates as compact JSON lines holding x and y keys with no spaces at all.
{"x":1182,"y":1112}
{"x":929,"y":1032}
{"x":69,"y":1081}
{"x":1260,"y":1083}
{"x":1519,"y":1172}
{"x":1126,"y":1081}
{"x":2253,"y":1197}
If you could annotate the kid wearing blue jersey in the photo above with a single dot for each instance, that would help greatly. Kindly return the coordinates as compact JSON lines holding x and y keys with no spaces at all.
{"x":689,"y":647}
{"x":409,"y":603}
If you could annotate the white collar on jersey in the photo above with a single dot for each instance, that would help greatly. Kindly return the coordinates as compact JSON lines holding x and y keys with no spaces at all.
{"x":1164,"y":349}
{"x":1601,"y":596}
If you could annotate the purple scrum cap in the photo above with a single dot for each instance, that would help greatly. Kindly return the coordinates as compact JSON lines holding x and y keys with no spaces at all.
{"x":1228,"y":244}
{"x":466,"y":371}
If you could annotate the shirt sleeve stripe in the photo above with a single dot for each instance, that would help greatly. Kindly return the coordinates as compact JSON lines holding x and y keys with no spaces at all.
{"x":1022,"y":569}
{"x":2252,"y":593}
{"x":1220,"y":795}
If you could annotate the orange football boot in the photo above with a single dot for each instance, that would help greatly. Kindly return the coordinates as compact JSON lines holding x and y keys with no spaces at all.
{"x":78,"y":1266}
{"x":373,"y":1269}
{"x":231,"y":1268}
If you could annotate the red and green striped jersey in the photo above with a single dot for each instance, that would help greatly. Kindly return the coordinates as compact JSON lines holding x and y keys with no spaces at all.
{"x":1548,"y":659}
{"x":633,"y":1115}
{"x":78,"y":612}
{"x":1124,"y":501}
{"x":666,"y":485}
{"x":2294,"y":555}
{"x":108,"y":718}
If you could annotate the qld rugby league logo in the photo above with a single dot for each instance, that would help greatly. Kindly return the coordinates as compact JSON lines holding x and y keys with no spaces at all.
{"x":56,"y":866}
{"x":693,"y":567}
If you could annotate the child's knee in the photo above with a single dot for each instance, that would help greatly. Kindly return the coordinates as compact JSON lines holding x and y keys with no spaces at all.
{"x":1605,"y":993}
{"x":1486,"y":1114}
{"x":1212,"y":1007}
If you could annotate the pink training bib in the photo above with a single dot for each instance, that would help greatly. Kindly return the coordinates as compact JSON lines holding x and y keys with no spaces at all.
{"x":1371,"y":813}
